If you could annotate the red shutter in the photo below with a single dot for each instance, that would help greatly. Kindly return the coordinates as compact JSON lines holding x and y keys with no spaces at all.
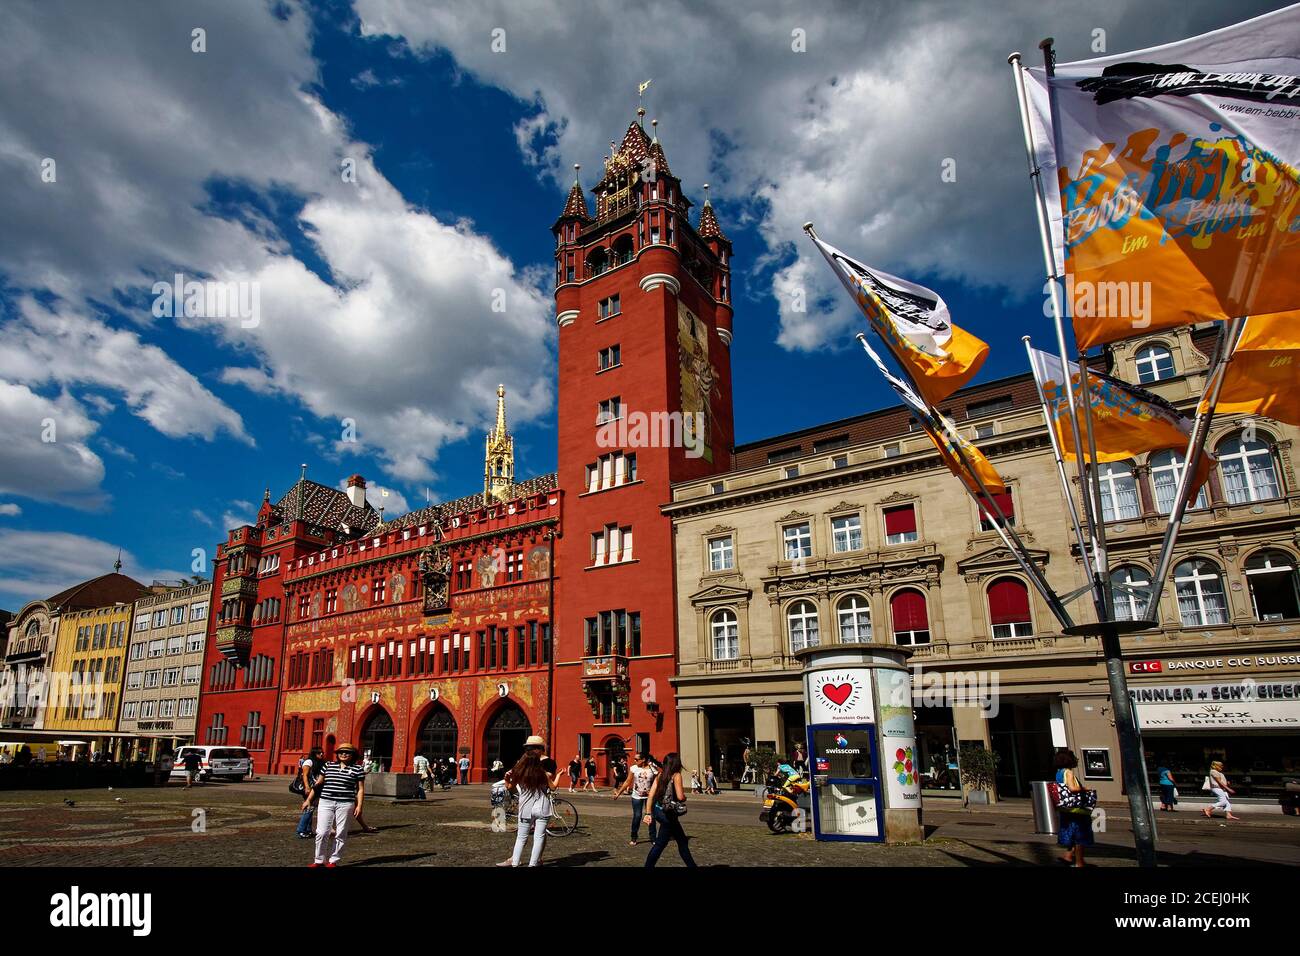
{"x":900,"y":520}
{"x":1008,"y":602}
{"x":908,"y":611}
{"x":1004,"y":502}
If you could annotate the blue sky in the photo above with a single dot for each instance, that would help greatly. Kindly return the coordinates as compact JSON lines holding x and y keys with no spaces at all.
{"x":225,"y":163}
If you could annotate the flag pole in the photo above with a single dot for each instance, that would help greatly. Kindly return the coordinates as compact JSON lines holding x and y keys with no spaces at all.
{"x":1004,"y":530}
{"x":1132,"y":759}
{"x":1223,"y":352}
{"x":1056,"y":453}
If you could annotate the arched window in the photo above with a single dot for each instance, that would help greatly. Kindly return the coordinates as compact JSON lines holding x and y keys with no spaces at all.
{"x":1009,"y":608}
{"x":1154,"y":363}
{"x":596,"y":263}
{"x":1274,"y":585}
{"x":622,"y":250}
{"x":855,"y":620}
{"x":1166,"y":470}
{"x":802,"y":622}
{"x":1247,"y":467}
{"x":1119,"y":491}
{"x":1201,"y":600}
{"x":33,"y":629}
{"x":1130,"y":589}
{"x":910,"y":618}
{"x":726,"y":635}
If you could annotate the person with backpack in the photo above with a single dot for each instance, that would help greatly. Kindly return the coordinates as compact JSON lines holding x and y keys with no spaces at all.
{"x":340,"y":791}
{"x":668,"y":800}
{"x":309,"y":768}
{"x":463,"y":764}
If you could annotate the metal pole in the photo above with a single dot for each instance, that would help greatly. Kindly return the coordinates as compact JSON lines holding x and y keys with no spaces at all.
{"x":1132,"y":759}
{"x":1195,"y":448}
{"x":1056,"y":453}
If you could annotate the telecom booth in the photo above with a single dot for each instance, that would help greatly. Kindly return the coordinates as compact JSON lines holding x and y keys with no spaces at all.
{"x":866,"y":785}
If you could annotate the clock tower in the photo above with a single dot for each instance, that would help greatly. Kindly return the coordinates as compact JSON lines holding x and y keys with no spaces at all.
{"x":643,"y":305}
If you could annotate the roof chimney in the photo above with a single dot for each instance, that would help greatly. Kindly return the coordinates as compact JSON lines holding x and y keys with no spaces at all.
{"x":357,"y":491}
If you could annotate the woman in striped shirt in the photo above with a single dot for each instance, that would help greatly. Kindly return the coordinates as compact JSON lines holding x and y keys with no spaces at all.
{"x":342,"y":791}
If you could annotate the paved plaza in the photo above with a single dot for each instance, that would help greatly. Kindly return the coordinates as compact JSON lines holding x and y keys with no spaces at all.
{"x":252,"y":824}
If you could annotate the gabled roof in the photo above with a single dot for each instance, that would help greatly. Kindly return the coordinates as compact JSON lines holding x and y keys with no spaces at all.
{"x":324,"y":506}
{"x":107,"y":589}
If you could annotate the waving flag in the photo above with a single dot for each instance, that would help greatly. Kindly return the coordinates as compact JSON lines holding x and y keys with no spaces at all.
{"x":1126,"y":421}
{"x":914,"y":324}
{"x":1263,"y":377}
{"x":1176,"y":196}
{"x":962,"y":458}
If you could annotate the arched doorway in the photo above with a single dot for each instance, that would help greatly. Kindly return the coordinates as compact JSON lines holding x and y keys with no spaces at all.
{"x":377,"y":739}
{"x":438,"y":734}
{"x":505,"y":735}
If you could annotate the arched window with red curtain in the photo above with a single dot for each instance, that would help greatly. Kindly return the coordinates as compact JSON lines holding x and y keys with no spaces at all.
{"x":910,"y":618}
{"x":1009,"y":608}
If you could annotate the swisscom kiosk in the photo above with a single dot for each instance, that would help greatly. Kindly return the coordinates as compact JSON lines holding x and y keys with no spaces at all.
{"x":866,"y":785}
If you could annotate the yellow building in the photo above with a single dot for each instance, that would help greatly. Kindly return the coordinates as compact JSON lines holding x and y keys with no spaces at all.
{"x":85,"y":688}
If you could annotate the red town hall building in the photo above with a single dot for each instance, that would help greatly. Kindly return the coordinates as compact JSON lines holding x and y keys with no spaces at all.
{"x":433,"y":632}
{"x":643,"y":304}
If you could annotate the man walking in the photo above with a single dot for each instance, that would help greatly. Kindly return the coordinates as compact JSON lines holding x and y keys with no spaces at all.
{"x":422,"y":771}
{"x":640,"y":779}
{"x":193,"y":761}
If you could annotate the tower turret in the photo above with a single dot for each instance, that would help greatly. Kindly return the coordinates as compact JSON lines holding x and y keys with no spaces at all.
{"x":499,"y":456}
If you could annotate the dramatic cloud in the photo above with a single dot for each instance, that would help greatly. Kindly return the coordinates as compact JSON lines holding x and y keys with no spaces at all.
{"x":150,"y":141}
{"x":44,"y":454}
{"x":852,"y":133}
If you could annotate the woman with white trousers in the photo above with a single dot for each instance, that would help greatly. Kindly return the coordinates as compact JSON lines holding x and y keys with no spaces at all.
{"x":1217,"y":784}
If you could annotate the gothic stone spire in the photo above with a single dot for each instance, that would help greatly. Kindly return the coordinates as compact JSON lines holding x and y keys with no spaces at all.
{"x":499,"y":456}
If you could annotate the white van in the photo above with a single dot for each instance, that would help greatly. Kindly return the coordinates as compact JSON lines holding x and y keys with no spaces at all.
{"x":233,"y":763}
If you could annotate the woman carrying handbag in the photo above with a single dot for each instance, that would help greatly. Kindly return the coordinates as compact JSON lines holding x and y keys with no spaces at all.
{"x":1075,"y":804}
{"x":668,"y":804}
{"x":1217,"y":784}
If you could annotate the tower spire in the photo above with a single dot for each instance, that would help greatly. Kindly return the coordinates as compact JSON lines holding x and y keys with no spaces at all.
{"x":117,"y":565}
{"x":499,"y":456}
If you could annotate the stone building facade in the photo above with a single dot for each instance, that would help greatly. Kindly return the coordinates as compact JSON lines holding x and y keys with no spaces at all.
{"x":853,"y":531}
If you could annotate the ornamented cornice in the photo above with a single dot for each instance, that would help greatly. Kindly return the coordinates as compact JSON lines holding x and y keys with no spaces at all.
{"x":720,"y":529}
{"x":898,"y":496}
{"x":794,"y":516}
{"x":844,"y":506}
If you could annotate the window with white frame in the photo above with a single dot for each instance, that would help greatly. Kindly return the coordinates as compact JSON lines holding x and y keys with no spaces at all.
{"x":194,"y":644}
{"x":142,"y":621}
{"x":189,"y":706}
{"x":134,"y":680}
{"x":725,"y":630}
{"x":1154,"y":363}
{"x":854,"y":615}
{"x":1201,"y":600}
{"x":1247,"y":468}
{"x":191,"y":674}
{"x":801,"y":621}
{"x":160,"y":618}
{"x":175,"y":645}
{"x":137,"y":651}
{"x":1274,"y":585}
{"x":151,"y":678}
{"x":609,"y":357}
{"x":900,"y":524}
{"x":722,"y":555}
{"x":178,"y":614}
{"x":156,"y":648}
{"x":1166,"y":472}
{"x":1009,"y":608}
{"x":609,"y":306}
{"x":798,"y":541}
{"x":1130,"y":588}
{"x":148,"y":708}
{"x":171,"y":677}
{"x":910,"y":617}
{"x":610,"y":471}
{"x":199,"y":611}
{"x":167,"y":708}
{"x":130,"y":709}
{"x":612,"y":545}
{"x":846,"y":533}
{"x":1119,"y":493}
{"x":608,"y":410}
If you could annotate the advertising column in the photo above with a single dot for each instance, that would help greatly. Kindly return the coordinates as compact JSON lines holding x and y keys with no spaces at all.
{"x":862,"y":744}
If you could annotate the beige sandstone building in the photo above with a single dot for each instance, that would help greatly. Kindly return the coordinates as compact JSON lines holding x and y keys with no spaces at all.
{"x":160,"y":692}
{"x":853,"y":531}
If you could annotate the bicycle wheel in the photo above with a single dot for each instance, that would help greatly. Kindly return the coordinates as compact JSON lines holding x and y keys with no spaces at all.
{"x":564,"y":819}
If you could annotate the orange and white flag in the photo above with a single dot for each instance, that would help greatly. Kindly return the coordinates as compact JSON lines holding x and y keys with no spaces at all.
{"x":1263,"y":377}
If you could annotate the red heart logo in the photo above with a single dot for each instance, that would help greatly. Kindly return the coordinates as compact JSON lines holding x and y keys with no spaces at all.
{"x":837,"y":694}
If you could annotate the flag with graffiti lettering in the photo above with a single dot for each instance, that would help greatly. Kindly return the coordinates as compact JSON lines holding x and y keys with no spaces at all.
{"x":961,"y":457}
{"x":913,"y":322}
{"x":1263,"y":377}
{"x":1127,"y":421}
{"x":1172,"y":176}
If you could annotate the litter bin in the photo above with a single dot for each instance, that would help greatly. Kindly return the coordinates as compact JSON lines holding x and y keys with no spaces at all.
{"x":1040,"y":795}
